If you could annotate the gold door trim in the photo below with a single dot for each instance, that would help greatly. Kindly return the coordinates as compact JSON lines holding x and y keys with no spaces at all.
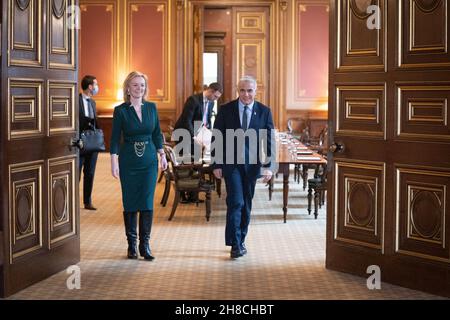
{"x":54,"y":162}
{"x":61,"y":51}
{"x":428,"y":171}
{"x":15,"y":168}
{"x":25,"y":83}
{"x":360,"y":67}
{"x":52,"y":84}
{"x":360,"y":164}
{"x":404,"y":87}
{"x":400,"y":62}
{"x":29,"y":46}
{"x":346,"y":132}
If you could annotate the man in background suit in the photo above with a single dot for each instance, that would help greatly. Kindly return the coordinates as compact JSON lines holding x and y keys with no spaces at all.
{"x":198,"y":108}
{"x":240,"y":176}
{"x":88,"y":120}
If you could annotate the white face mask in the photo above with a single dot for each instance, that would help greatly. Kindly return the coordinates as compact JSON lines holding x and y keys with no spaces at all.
{"x":95,"y":90}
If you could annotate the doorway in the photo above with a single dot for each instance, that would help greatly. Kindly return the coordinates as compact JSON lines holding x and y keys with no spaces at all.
{"x":236,"y":40}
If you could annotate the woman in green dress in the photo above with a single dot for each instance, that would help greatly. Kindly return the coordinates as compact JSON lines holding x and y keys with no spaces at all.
{"x":136,"y":140}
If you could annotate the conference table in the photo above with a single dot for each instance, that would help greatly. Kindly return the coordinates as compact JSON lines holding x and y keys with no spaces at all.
{"x":291,"y":151}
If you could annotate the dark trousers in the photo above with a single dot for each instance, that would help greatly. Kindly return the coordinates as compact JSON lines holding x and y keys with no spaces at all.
{"x":88,"y":163}
{"x":240,"y":191}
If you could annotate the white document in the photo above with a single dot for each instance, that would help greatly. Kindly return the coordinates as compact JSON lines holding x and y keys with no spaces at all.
{"x":203,"y":137}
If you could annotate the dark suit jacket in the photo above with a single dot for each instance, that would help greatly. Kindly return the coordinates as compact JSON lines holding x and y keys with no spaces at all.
{"x":193,"y":111}
{"x":83,"y":120}
{"x":228,"y":118}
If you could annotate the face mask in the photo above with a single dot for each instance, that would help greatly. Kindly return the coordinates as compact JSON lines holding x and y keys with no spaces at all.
{"x":95,"y":90}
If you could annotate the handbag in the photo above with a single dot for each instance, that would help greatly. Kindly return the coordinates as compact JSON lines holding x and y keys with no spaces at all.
{"x":93,"y":140}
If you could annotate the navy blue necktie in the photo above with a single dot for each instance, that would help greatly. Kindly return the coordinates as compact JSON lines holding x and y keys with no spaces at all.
{"x":244,"y":118}
{"x":246,"y":143}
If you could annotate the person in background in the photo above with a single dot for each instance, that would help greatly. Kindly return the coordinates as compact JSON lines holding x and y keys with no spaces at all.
{"x":87,"y":121}
{"x":198,"y":108}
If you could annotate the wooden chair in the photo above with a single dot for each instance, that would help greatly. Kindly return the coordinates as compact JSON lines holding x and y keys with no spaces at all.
{"x":167,"y":141}
{"x":298,"y":128}
{"x":319,"y":185}
{"x":319,"y":145}
{"x":186,"y":178}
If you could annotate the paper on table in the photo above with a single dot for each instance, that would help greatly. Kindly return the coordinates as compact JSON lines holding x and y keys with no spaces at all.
{"x":309,"y":158}
{"x":304,"y":152}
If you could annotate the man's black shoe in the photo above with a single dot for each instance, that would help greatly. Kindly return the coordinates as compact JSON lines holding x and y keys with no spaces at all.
{"x":89,"y":207}
{"x":236,"y":253}
{"x":243,"y":249}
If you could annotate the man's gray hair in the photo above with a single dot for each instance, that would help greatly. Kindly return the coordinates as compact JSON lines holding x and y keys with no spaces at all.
{"x":248,"y":79}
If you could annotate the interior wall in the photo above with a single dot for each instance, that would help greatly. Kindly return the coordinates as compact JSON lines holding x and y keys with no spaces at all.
{"x":307,"y":59}
{"x":153,"y":36}
{"x":117,"y":37}
{"x":220,"y":20}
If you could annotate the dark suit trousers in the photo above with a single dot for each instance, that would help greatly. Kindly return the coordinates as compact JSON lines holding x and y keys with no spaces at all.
{"x":240,"y":191}
{"x":88,"y":163}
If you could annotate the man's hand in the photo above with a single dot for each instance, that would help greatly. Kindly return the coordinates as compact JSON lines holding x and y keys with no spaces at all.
{"x":267,"y":175}
{"x":217,"y":173}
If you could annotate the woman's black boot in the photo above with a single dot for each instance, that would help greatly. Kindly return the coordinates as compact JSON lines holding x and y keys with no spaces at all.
{"x":130,"y":219}
{"x":145,"y":227}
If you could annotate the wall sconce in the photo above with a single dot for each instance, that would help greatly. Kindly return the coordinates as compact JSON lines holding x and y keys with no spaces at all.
{"x":119,"y":96}
{"x":323,"y":106}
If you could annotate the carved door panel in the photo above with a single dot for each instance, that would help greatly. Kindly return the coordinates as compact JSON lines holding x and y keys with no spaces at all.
{"x":389,"y":93}
{"x":39,"y":183}
{"x":251,"y":43}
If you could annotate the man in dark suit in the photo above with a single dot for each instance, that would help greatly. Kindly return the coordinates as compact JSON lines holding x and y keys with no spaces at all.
{"x":242,"y":162}
{"x":196,"y":113}
{"x":88,"y":120}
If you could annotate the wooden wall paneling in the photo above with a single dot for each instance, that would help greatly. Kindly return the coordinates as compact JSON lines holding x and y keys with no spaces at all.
{"x":311,"y":51}
{"x":148,"y":47}
{"x":251,"y":43}
{"x":25,"y":42}
{"x":61,"y":38}
{"x":307,"y":60}
{"x":419,"y":48}
{"x":99,"y":46}
{"x":361,"y":48}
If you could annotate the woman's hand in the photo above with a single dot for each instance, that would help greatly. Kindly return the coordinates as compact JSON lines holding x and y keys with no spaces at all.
{"x":115,"y":166}
{"x":163,"y":162}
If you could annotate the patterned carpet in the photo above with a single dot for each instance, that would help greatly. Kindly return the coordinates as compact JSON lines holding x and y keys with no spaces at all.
{"x":284,"y":261}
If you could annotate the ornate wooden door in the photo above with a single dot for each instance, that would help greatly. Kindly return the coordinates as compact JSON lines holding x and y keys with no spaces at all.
{"x":389,"y":198}
{"x":39,"y":226}
{"x":251,"y":43}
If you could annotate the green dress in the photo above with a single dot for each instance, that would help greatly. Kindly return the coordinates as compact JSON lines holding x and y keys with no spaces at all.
{"x":137,"y":150}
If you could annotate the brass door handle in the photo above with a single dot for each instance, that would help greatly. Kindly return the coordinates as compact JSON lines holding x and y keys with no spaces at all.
{"x":337,"y":147}
{"x":74,"y":142}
